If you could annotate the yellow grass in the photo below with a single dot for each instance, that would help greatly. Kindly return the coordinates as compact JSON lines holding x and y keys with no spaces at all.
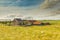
{"x":48,"y":32}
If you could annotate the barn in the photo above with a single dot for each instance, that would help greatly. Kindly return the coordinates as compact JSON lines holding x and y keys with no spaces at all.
{"x":19,"y":22}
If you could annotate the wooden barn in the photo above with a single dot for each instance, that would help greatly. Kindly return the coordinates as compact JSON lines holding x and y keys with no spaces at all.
{"x":19,"y":22}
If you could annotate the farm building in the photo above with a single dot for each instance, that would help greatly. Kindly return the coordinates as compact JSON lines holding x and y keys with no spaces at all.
{"x":18,"y":21}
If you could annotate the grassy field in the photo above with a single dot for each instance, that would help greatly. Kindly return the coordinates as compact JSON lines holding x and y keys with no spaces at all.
{"x":47,"y":32}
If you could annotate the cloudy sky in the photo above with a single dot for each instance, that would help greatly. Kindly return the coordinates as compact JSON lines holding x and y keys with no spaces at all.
{"x":38,"y":9}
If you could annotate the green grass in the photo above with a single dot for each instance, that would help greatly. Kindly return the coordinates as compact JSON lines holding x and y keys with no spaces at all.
{"x":48,"y":32}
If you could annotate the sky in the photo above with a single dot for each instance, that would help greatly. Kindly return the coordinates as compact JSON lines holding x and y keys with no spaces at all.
{"x":20,"y":3}
{"x":38,"y":9}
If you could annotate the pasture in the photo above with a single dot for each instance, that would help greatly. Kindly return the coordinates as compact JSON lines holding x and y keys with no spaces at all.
{"x":47,"y":32}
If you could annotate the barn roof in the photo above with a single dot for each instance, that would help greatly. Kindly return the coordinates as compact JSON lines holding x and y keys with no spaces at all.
{"x":18,"y":19}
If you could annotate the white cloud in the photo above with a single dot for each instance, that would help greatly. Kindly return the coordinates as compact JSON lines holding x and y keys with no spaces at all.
{"x":47,"y":11}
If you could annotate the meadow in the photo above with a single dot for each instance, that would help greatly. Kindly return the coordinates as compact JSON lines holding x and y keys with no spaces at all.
{"x":46,"y":32}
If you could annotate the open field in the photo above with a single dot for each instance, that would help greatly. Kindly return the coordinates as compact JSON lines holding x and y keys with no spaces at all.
{"x":47,"y":32}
